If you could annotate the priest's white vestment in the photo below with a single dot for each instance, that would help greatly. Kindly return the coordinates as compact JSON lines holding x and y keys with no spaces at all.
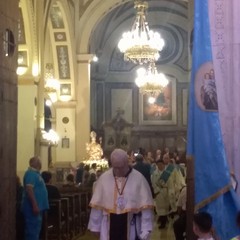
{"x":130,"y":196}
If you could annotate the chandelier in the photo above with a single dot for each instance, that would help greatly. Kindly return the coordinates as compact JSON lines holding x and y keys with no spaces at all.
{"x":141,"y":45}
{"x":150,"y":81}
{"x":51,"y":137}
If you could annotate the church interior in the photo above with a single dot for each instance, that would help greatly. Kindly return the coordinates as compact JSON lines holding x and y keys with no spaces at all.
{"x":63,"y":77}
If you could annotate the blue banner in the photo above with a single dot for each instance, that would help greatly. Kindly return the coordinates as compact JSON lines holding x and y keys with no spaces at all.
{"x":213,"y":191}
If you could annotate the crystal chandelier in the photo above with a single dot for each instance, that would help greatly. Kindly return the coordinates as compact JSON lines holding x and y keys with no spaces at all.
{"x":141,"y":45}
{"x":150,"y":81}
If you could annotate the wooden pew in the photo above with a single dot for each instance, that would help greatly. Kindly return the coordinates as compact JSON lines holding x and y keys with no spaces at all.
{"x":71,"y":210}
{"x":85,"y":197}
{"x":56,"y":220}
{"x":77,"y":214}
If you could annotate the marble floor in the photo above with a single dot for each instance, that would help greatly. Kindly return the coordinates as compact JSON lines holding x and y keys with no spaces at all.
{"x":157,"y":234}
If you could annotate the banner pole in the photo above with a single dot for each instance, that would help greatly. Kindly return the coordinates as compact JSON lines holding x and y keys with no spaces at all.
{"x":190,"y":198}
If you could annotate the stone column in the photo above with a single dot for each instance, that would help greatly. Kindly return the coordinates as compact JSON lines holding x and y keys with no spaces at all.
{"x":8,"y":116}
{"x":83,"y":104}
{"x":38,"y":57}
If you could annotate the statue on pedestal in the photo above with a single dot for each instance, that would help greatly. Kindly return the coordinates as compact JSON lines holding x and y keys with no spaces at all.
{"x":94,"y":149}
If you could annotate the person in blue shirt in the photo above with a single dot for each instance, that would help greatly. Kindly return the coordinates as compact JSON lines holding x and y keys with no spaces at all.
{"x":35,"y":199}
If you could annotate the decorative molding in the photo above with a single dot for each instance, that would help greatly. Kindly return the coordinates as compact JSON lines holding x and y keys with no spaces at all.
{"x":84,"y":58}
{"x":83,"y":5}
{"x":56,"y":18}
{"x":60,"y":36}
{"x":65,"y":89}
{"x":63,"y":62}
{"x":21,"y":29}
{"x":69,"y":104}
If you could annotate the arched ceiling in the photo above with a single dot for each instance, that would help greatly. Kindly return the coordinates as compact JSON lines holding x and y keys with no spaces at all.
{"x":92,"y":25}
{"x":91,"y":12}
{"x":169,"y":18}
{"x":94,"y":11}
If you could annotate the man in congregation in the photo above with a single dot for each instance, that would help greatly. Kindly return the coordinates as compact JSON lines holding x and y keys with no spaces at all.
{"x":174,"y":182}
{"x":35,"y":199}
{"x":144,"y":169}
{"x":161,"y":194}
{"x":121,"y":203}
{"x":53,"y":192}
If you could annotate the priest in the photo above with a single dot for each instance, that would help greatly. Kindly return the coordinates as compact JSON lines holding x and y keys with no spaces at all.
{"x":122,"y":203}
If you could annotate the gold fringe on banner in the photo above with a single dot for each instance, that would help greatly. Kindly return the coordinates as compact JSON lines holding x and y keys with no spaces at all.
{"x":213,"y":197}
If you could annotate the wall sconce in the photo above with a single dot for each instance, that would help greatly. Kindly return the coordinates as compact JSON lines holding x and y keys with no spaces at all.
{"x":21,"y":70}
{"x":51,"y":137}
{"x":95,"y":58}
{"x":22,"y":63}
{"x":51,"y":85}
{"x":35,"y":69}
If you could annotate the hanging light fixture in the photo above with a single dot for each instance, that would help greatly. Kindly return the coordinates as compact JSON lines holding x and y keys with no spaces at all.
{"x":51,"y":136}
{"x":141,"y":45}
{"x":150,"y":81}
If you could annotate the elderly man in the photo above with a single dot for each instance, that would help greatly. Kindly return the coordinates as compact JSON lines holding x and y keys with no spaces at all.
{"x":121,"y":203}
{"x":35,"y":199}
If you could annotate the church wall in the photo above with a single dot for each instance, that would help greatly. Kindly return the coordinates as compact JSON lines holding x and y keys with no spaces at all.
{"x":114,"y":78}
{"x":26,"y":126}
{"x":155,"y":134}
{"x":8,"y":116}
{"x":65,"y":127}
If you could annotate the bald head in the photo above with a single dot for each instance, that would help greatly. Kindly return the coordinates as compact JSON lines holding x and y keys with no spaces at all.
{"x":35,"y":162}
{"x":166,"y":159}
{"x":119,"y":161}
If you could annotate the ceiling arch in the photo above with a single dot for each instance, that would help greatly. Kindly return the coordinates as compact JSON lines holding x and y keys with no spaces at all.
{"x":89,"y":19}
{"x":170,"y":19}
{"x":97,"y":9}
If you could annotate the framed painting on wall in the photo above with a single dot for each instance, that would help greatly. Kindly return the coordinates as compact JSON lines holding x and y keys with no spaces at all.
{"x":65,"y":142}
{"x":163,"y":110}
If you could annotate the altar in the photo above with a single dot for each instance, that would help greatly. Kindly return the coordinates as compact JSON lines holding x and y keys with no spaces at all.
{"x":95,"y":153}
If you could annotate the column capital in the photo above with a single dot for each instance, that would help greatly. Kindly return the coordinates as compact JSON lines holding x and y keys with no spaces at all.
{"x":84,"y":58}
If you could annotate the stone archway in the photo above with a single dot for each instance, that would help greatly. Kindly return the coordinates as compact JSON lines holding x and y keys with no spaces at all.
{"x":92,"y":12}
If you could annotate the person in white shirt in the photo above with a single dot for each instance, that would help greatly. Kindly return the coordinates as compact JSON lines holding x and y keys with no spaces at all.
{"x":93,"y":169}
{"x":161,"y":194}
{"x":202,"y":226}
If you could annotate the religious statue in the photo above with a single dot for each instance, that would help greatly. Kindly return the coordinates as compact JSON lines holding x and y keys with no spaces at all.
{"x":94,"y":149}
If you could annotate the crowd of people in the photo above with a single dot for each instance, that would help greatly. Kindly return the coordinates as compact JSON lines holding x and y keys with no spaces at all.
{"x":122,"y":209}
{"x":32,"y":198}
{"x":161,"y":176}
{"x":165,"y":174}
{"x":125,"y":197}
